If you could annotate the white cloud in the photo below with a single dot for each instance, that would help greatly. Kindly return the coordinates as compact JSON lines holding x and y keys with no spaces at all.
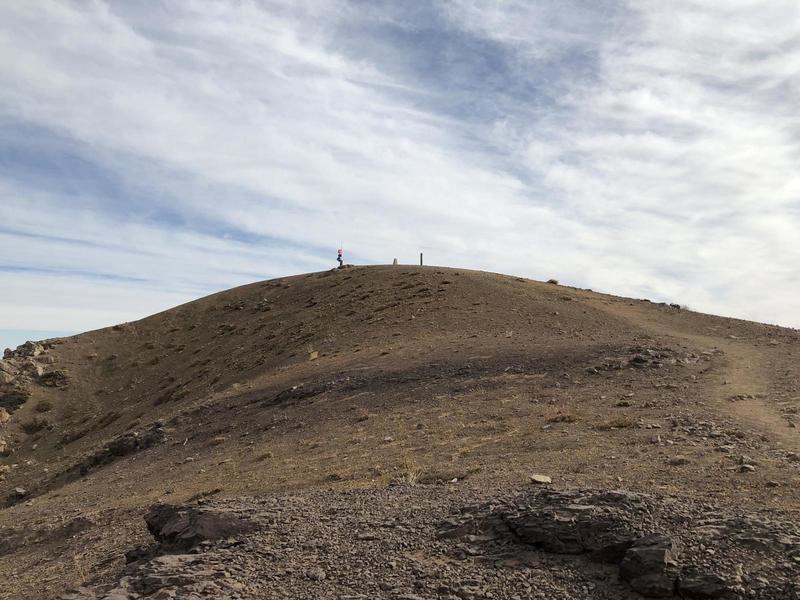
{"x":641,"y":149}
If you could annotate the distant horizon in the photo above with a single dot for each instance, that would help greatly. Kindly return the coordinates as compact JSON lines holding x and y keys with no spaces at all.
{"x":152,"y":153}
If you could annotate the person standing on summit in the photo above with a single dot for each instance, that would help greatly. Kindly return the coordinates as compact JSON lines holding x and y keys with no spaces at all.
{"x":339,"y":257}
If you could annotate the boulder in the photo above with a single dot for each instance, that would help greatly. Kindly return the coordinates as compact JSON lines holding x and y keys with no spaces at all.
{"x":79,"y":593}
{"x":57,"y":378}
{"x":123,"y":445}
{"x":183,"y":527}
{"x":4,"y":416}
{"x":571,"y":524}
{"x":8,"y":372}
{"x":540,"y":479}
{"x":151,"y":437}
{"x":694,"y":583}
{"x":649,"y":566}
{"x":29,"y":349}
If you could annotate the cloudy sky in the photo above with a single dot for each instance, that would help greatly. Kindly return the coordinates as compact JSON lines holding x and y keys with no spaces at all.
{"x":151,"y":153}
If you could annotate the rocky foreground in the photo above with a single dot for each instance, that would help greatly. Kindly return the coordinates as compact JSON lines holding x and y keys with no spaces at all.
{"x":438,"y":541}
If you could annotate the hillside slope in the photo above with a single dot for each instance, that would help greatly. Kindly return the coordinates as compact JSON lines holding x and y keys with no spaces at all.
{"x":369,"y":377}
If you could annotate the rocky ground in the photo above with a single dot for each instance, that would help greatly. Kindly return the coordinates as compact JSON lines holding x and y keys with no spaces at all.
{"x":439,"y":541}
{"x":378,"y":429}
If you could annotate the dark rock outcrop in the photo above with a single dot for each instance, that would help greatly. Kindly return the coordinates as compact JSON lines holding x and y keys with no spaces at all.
{"x":694,"y":583}
{"x":641,"y":534}
{"x":183,"y":527}
{"x":125,"y":444}
{"x":649,"y":566}
{"x":57,"y":378}
{"x":599,"y":524}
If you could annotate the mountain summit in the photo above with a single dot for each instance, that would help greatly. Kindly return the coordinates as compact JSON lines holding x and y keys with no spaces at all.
{"x":403,"y":432}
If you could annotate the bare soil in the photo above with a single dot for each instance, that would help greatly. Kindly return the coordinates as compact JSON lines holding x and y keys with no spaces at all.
{"x":451,"y":386}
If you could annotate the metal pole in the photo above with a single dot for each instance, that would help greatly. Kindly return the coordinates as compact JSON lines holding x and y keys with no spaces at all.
{"x":420,"y":259}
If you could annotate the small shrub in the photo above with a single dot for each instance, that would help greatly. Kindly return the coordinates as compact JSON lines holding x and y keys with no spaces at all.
{"x":553,"y":281}
{"x":56,"y":378}
{"x":409,"y":473}
{"x":43,"y":406}
{"x":616,"y":423}
{"x":562,"y":418}
{"x":35,"y":425}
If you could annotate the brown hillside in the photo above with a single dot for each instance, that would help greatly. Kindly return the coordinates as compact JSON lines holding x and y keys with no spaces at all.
{"x":369,"y":377}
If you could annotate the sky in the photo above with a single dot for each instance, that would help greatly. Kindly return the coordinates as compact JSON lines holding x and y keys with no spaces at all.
{"x":154,"y":152}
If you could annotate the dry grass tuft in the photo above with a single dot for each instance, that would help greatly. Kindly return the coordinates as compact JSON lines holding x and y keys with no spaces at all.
{"x":562,"y":418}
{"x":616,"y":423}
{"x":409,"y":473}
{"x":35,"y":425}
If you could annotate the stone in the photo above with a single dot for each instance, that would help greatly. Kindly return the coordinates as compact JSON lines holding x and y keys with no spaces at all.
{"x":649,"y":566}
{"x":745,"y":468}
{"x":123,"y":445}
{"x":183,"y":527}
{"x":4,"y":416}
{"x":79,"y":593}
{"x":152,"y":437}
{"x":540,"y":479}
{"x":29,"y":349}
{"x":693,"y":583}
{"x":20,"y":492}
{"x":57,"y":378}
{"x":576,"y":524}
{"x":678,"y":460}
{"x":316,"y":574}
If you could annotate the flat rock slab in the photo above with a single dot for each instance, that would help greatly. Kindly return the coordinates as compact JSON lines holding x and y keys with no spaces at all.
{"x":183,"y":527}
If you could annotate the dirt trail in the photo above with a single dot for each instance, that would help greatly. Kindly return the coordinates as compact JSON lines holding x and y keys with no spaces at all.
{"x":744,"y":385}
